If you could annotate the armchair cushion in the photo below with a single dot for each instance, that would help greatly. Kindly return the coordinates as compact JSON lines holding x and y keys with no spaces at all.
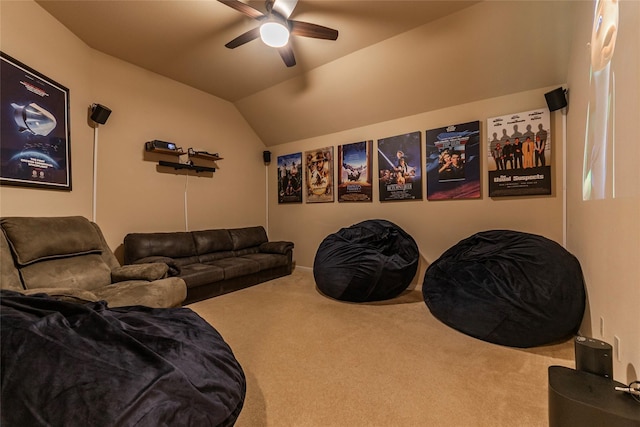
{"x":35,"y":239}
{"x":173,"y":267}
{"x":80,"y":272}
{"x":150,"y":272}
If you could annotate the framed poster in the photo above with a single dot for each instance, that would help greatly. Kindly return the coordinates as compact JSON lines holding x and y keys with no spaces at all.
{"x":35,"y":133}
{"x":400,"y":174}
{"x":453,"y":162}
{"x":354,"y":172}
{"x":319,"y":175}
{"x":290,"y":178}
{"x":519,"y":153}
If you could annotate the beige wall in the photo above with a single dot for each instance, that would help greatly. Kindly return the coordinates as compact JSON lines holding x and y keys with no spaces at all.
{"x":435,"y":225}
{"x":605,"y":233}
{"x":133,"y":195}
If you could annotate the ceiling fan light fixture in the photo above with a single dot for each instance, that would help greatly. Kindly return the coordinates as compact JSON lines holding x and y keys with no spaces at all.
{"x":274,"y":34}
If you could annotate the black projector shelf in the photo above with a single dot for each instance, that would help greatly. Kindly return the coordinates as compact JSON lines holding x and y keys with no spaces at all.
{"x":177,"y":166}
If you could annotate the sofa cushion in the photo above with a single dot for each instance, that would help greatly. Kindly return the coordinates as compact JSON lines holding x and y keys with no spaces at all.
{"x":235,"y":267}
{"x":38,"y":238}
{"x":201,"y":274}
{"x":178,"y":244}
{"x":212,"y":241}
{"x":267,"y":261}
{"x":212,"y":256}
{"x":247,"y":237}
{"x":82,"y":272}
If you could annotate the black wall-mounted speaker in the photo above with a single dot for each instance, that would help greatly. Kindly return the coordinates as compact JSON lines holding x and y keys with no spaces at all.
{"x":100,"y":113}
{"x":266,"y":156}
{"x":556,"y":99}
{"x":594,"y":356}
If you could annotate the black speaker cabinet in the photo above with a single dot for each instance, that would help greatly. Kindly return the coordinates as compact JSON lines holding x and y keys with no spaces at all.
{"x":100,"y":113}
{"x":581,"y":399}
{"x":594,"y":356}
{"x":556,"y":99}
{"x":266,"y":156}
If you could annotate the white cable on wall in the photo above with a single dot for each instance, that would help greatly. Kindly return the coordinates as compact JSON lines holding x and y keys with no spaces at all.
{"x":95,"y":172}
{"x":186,"y":215}
{"x":564,"y":179}
{"x":266,"y":192}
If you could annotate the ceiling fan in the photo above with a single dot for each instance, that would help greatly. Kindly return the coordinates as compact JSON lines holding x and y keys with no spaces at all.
{"x":276,"y":27}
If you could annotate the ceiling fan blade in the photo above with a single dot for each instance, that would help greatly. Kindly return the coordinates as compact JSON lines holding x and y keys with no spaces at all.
{"x":243,"y":8}
{"x":244,"y":38}
{"x":284,"y":7}
{"x":306,"y":29}
{"x":287,"y":55}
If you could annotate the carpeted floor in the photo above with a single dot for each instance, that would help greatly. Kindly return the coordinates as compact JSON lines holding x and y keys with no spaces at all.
{"x":313,"y":361}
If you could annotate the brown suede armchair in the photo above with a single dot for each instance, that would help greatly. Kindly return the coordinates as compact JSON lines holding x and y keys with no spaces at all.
{"x":68,"y":258}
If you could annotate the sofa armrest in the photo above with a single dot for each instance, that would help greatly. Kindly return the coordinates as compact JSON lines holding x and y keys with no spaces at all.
{"x":149,"y":271}
{"x":276,"y":247}
{"x":174,"y":268}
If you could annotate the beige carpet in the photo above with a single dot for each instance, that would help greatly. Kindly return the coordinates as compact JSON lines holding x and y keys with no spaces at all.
{"x":313,"y":361}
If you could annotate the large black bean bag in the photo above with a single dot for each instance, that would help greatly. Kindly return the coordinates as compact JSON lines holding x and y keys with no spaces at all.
{"x":72,"y":364}
{"x":370,"y":261}
{"x":507,"y":287}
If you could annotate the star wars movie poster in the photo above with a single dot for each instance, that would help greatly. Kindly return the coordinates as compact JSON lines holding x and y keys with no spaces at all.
{"x":519,"y":148}
{"x":453,"y":162}
{"x":34,"y":124}
{"x":319,"y":176}
{"x":400,"y":174}
{"x":354,"y":172}
{"x":290,"y":178}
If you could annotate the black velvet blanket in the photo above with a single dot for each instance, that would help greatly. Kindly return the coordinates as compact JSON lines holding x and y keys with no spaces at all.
{"x":69,"y":364}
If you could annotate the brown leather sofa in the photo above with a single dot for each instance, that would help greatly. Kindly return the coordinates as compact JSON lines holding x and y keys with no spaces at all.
{"x":68,"y":258}
{"x":213,"y":262}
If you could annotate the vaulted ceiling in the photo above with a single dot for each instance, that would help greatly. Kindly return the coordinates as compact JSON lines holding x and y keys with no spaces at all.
{"x":391,"y":59}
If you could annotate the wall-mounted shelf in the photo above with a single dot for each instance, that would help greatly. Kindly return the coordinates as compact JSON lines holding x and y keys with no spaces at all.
{"x":152,"y":147}
{"x":203,"y":155}
{"x":177,"y":166}
{"x":170,"y":152}
{"x":149,"y":146}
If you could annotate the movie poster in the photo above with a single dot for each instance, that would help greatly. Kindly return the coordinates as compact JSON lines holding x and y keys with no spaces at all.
{"x":319,"y":175}
{"x":290,"y":178}
{"x":354,"y":172}
{"x":34,"y":142}
{"x":453,"y":162}
{"x":519,"y":148}
{"x":400,"y":174}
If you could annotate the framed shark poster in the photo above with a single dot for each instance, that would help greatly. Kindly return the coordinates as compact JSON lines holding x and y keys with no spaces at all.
{"x":34,"y":125}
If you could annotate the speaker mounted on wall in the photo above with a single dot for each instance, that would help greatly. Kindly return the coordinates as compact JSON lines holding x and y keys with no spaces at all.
{"x":556,"y":99}
{"x":99,"y":113}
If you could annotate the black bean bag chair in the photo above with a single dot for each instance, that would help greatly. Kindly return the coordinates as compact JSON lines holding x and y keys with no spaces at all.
{"x":508,"y":288}
{"x":73,"y":364}
{"x":370,"y":261}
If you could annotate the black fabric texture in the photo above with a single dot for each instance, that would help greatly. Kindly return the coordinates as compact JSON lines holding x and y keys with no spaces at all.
{"x":507,"y":287}
{"x":67,"y":364}
{"x":372,"y":260}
